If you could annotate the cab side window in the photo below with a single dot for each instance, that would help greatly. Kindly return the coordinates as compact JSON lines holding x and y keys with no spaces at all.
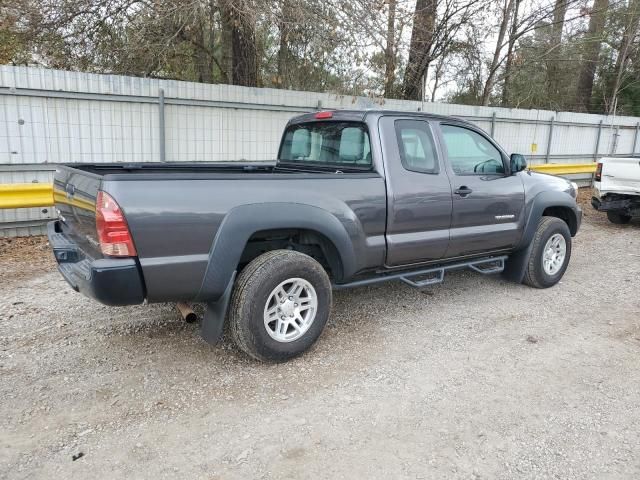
{"x":470,"y":153}
{"x":416,"y":146}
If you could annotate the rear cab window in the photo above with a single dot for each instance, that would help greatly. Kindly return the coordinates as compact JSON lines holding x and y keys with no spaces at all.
{"x":330,"y":144}
{"x":416,"y":146}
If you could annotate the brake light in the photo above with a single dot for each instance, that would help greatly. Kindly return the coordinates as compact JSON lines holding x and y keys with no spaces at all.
{"x":323,"y":115}
{"x":113,"y":231}
{"x":598,"y":176}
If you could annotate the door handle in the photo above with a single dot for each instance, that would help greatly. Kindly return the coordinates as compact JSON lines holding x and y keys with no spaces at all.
{"x":463,"y":191}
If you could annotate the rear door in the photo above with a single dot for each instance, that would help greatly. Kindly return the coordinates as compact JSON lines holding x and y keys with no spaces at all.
{"x":488,"y":203}
{"x":418,"y":192}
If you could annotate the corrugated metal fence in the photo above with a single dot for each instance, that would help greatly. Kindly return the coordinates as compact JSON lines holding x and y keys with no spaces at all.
{"x":51,"y":116}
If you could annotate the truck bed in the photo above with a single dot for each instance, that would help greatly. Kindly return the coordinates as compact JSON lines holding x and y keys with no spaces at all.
{"x":103,"y":169}
{"x":174,"y":212}
{"x":200,"y":170}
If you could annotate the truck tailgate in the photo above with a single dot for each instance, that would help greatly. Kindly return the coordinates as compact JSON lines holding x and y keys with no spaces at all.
{"x":74,"y":194}
{"x":73,"y":239}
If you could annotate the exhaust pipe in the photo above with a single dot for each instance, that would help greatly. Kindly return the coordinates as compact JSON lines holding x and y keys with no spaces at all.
{"x":187,"y":313}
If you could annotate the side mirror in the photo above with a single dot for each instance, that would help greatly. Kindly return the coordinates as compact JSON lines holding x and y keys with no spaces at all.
{"x":517,"y":163}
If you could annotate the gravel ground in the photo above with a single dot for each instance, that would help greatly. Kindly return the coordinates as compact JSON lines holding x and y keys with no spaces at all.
{"x":475,"y":378}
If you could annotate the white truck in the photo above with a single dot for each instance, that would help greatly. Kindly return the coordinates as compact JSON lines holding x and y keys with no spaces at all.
{"x":617,"y":188}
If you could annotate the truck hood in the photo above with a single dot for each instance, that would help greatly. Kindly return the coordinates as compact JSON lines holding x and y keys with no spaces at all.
{"x":548,"y":182}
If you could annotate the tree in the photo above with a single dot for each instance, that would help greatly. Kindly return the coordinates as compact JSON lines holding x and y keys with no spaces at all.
{"x":593,"y":42}
{"x":436,"y":27}
{"x":508,"y":66}
{"x":555,"y":48}
{"x":244,"y":58}
{"x":284,"y":26}
{"x":625,"y":49}
{"x":422,"y":34}
{"x":628,"y":99}
{"x":465,"y":65}
{"x":523,"y":53}
{"x":534,"y":22}
{"x":14,"y":45}
{"x":390,"y":51}
{"x":506,"y":10}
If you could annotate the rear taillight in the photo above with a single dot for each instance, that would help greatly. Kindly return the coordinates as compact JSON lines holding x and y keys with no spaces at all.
{"x":113,"y":231}
{"x":598,"y":176}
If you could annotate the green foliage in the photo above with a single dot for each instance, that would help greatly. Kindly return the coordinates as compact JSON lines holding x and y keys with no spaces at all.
{"x":334,"y":46}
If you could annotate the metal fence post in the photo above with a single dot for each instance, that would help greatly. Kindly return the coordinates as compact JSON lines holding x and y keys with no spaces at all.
{"x":553,"y":119}
{"x":635,"y":139}
{"x":595,"y":154}
{"x":616,"y":136}
{"x":493,"y":124}
{"x":161,"y":125}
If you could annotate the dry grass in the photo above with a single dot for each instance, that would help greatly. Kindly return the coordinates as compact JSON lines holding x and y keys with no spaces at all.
{"x":21,"y":257}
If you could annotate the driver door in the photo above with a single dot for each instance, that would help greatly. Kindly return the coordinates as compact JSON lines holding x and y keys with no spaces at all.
{"x":488,"y":202}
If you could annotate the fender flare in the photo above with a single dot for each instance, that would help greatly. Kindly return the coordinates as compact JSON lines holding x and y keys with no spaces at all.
{"x":245,"y":220}
{"x":539,"y":204}
{"x":516,"y":264}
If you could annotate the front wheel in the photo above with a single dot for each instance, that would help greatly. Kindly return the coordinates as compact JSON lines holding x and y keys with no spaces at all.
{"x":618,"y":218}
{"x":280,"y":305}
{"x":550,"y":253}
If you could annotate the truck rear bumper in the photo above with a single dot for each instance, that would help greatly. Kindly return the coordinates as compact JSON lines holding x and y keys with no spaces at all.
{"x":111,"y":281}
{"x":604,"y":206}
{"x":626,"y":204}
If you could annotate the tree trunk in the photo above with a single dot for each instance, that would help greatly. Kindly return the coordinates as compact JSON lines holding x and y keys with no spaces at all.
{"x":591,"y":55}
{"x":553,"y":63}
{"x":390,"y":52}
{"x":630,"y":31}
{"x":284,"y":25}
{"x":424,"y":19}
{"x":495,"y":62}
{"x":508,"y":66}
{"x":204,"y":52}
{"x":436,"y":79}
{"x":243,"y":46}
{"x":226,"y":26}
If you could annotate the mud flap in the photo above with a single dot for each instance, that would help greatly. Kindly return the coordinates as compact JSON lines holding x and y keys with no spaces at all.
{"x":516,"y":265}
{"x":214,"y":315}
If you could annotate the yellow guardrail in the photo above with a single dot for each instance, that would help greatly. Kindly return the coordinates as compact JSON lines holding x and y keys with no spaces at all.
{"x":60,"y":196}
{"x":564,"y":168}
{"x":24,"y":195}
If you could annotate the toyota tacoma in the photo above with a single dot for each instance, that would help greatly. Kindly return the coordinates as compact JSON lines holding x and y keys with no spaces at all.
{"x":355,"y":198}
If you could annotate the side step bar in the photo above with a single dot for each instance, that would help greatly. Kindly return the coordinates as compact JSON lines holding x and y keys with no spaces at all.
{"x":433,"y":275}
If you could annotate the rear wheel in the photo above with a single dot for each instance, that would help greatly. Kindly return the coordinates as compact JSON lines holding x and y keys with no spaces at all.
{"x":550,"y":253}
{"x":618,"y":218}
{"x":280,"y":305}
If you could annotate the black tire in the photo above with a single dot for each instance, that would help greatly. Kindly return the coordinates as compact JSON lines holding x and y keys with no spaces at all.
{"x":535,"y":275}
{"x":618,"y":218}
{"x":251,"y":293}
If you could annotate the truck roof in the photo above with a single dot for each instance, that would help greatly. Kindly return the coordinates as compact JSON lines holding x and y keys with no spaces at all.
{"x":359,"y":115}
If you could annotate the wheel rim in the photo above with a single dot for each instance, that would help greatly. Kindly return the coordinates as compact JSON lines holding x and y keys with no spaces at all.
{"x":555,"y":251}
{"x":290,"y":310}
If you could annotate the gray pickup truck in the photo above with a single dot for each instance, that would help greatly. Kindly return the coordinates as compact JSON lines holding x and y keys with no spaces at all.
{"x":355,"y":198}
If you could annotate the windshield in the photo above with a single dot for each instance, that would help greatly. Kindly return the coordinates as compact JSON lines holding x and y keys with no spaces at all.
{"x":341,"y":144}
